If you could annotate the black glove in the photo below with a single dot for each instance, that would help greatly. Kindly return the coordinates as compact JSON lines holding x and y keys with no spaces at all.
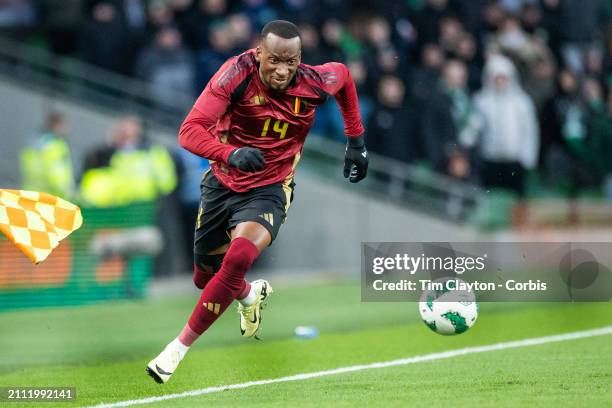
{"x":355,"y":159}
{"x":247,"y":159}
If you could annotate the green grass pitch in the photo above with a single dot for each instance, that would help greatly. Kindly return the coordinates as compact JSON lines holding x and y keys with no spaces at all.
{"x":102,"y":350}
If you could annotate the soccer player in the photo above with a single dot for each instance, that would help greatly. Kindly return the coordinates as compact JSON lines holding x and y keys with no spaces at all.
{"x":251,"y":121}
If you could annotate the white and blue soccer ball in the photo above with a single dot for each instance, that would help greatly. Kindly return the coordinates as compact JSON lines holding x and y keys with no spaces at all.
{"x":448,"y":312}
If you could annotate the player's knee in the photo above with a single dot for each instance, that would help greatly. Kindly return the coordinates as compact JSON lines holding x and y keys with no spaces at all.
{"x":240,"y":256}
{"x":238,"y":262}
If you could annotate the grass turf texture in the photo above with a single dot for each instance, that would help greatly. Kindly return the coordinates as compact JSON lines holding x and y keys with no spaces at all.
{"x":102,"y":351}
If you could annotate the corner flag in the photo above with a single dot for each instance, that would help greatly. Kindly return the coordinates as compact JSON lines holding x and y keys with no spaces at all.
{"x":37,"y":222}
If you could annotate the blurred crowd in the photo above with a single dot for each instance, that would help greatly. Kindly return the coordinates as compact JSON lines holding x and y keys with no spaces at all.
{"x":485,"y":91}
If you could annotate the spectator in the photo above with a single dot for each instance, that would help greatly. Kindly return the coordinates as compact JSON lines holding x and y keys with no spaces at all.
{"x":522,"y":48}
{"x":510,"y":138}
{"x":46,"y":164}
{"x":102,"y":39}
{"x":338,"y":41}
{"x":531,"y":18}
{"x":450,"y":124}
{"x":167,"y":66}
{"x":134,"y":14}
{"x":539,"y":79}
{"x":493,"y":16}
{"x":195,"y":24}
{"x":160,"y":16}
{"x":569,"y":158}
{"x":534,"y":58}
{"x":594,"y":64}
{"x":577,"y":25}
{"x":451,"y":31}
{"x":259,"y":12}
{"x":602,"y":145}
{"x":472,"y":15}
{"x":405,"y":36}
{"x":593,"y":97}
{"x":312,"y":52}
{"x":388,"y":61}
{"x":128,"y":170}
{"x":328,"y":120}
{"x":466,"y":52}
{"x":427,"y":75}
{"x":210,"y":59}
{"x":182,"y":10}
{"x":241,"y":31}
{"x":390,"y":128}
{"x":428,"y":20}
{"x":378,"y":33}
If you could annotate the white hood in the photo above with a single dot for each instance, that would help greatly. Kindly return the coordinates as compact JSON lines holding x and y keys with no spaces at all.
{"x":499,"y":65}
{"x":511,"y":127}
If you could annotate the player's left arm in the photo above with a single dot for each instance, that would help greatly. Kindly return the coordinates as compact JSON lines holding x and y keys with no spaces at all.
{"x":338,"y":81}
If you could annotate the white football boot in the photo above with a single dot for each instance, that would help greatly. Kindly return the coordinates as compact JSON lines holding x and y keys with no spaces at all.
{"x":250,"y":316}
{"x":164,"y":365}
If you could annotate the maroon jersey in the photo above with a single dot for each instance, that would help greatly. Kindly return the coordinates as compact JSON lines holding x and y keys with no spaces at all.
{"x":236,"y":109}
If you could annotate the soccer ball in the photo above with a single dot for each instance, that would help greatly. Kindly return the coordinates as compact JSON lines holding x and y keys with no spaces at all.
{"x":448,"y":312}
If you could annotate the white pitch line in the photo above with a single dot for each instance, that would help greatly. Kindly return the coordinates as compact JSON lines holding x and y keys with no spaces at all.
{"x":410,"y":360}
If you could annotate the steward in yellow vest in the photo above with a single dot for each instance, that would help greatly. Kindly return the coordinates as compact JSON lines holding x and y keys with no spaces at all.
{"x":128,"y":171}
{"x":46,"y":164}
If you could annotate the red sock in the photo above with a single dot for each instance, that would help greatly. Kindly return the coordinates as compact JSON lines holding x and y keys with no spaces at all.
{"x":244,"y":292}
{"x":188,"y":336}
{"x":200,"y":277}
{"x":225,"y":285}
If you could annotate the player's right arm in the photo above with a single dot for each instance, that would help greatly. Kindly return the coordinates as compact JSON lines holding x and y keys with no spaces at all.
{"x":196,"y":133}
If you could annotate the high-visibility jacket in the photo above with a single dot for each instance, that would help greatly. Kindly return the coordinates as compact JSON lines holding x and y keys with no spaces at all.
{"x":131,"y":176}
{"x":46,"y":166}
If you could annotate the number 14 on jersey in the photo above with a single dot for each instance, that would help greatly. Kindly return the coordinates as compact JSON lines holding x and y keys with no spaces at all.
{"x":279,"y":127}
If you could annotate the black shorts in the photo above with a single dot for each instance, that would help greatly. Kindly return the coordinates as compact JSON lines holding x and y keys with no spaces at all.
{"x":221,"y":209}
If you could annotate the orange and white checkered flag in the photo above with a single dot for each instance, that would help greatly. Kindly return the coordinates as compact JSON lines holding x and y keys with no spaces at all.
{"x":37,"y":222}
